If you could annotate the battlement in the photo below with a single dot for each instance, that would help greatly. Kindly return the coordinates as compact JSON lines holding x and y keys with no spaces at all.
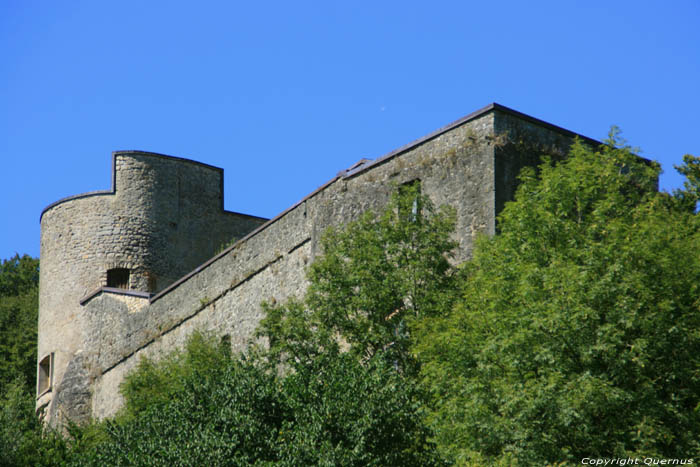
{"x":133,"y":271}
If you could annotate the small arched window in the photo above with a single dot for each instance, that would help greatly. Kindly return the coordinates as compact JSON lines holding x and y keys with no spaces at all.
{"x":118,"y":278}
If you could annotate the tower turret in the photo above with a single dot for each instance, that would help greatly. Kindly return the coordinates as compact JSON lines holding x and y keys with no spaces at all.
{"x":162,"y":218}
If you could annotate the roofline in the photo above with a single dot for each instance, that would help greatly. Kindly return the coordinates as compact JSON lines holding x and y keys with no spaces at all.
{"x":352,"y":171}
{"x":150,"y":154}
{"x":70,"y":198}
{"x":114,"y":290}
{"x":360,"y":167}
{"x":539,"y":122}
{"x":165,"y":156}
{"x":355,"y":169}
{"x":572,"y":134}
{"x":472,"y":116}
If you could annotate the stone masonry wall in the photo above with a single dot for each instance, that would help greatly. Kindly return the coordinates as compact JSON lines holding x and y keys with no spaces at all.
{"x":523,"y":141}
{"x":224,"y":296}
{"x":470,"y":165}
{"x":162,"y":218}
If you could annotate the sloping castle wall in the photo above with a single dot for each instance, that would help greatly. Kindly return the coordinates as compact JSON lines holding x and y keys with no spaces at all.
{"x":471,"y":164}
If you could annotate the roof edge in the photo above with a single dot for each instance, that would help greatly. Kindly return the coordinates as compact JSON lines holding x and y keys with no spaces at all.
{"x":78,"y":196}
{"x":165,"y":156}
{"x":240,"y":241}
{"x":537,"y":121}
{"x":360,"y":167}
{"x":113,"y":190}
{"x":116,"y":291}
{"x":424,"y":139}
{"x":494,"y":106}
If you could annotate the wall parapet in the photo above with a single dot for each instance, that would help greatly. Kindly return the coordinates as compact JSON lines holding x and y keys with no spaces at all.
{"x":116,"y":291}
{"x":74,"y":197}
{"x":113,"y":188}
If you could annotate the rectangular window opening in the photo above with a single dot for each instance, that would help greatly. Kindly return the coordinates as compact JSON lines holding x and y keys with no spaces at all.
{"x":409,"y":200}
{"x":118,"y":278}
{"x":45,"y":376}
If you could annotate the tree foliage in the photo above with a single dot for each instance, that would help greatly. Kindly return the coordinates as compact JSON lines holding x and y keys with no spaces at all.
{"x":23,"y":439}
{"x":577,"y":332}
{"x":573,"y":333}
{"x":376,"y":277}
{"x":322,"y":405}
{"x":197,"y":406}
{"x":230,"y":410}
{"x":19,"y":305}
{"x":346,"y":412}
{"x":154,"y":383}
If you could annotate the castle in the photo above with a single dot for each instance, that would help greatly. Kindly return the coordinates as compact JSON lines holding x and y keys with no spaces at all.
{"x":132,"y":271}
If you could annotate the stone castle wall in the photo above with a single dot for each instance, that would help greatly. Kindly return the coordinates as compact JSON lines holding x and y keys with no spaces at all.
{"x":162,"y":218}
{"x":470,"y":165}
{"x":224,"y":297}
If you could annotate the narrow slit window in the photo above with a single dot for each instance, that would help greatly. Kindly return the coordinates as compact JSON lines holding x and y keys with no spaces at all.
{"x":45,"y":376}
{"x":118,"y":278}
{"x":409,"y":204}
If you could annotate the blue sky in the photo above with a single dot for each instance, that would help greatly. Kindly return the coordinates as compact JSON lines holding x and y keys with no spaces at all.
{"x":284,"y":95}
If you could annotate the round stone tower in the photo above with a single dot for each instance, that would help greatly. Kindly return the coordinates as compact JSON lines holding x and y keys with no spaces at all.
{"x":162,"y":218}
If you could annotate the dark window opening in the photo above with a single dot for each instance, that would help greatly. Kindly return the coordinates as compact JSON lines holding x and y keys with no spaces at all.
{"x":45,"y":375}
{"x":409,"y":200}
{"x":118,"y":278}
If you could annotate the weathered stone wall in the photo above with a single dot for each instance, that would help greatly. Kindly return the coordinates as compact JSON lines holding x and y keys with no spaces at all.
{"x":224,"y":297}
{"x":162,"y":218}
{"x":470,"y":165}
{"x":522,"y":141}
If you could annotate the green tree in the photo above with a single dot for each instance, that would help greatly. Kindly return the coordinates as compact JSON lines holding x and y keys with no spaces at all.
{"x":23,"y":439}
{"x":345,"y":412}
{"x":577,"y":333}
{"x":197,"y":406}
{"x":19,"y":304}
{"x":350,"y":334}
{"x":229,"y":410}
{"x":377,"y":276}
{"x":154,"y":383}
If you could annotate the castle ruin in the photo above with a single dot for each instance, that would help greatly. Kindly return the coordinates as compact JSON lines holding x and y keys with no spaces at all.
{"x":132,"y":271}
